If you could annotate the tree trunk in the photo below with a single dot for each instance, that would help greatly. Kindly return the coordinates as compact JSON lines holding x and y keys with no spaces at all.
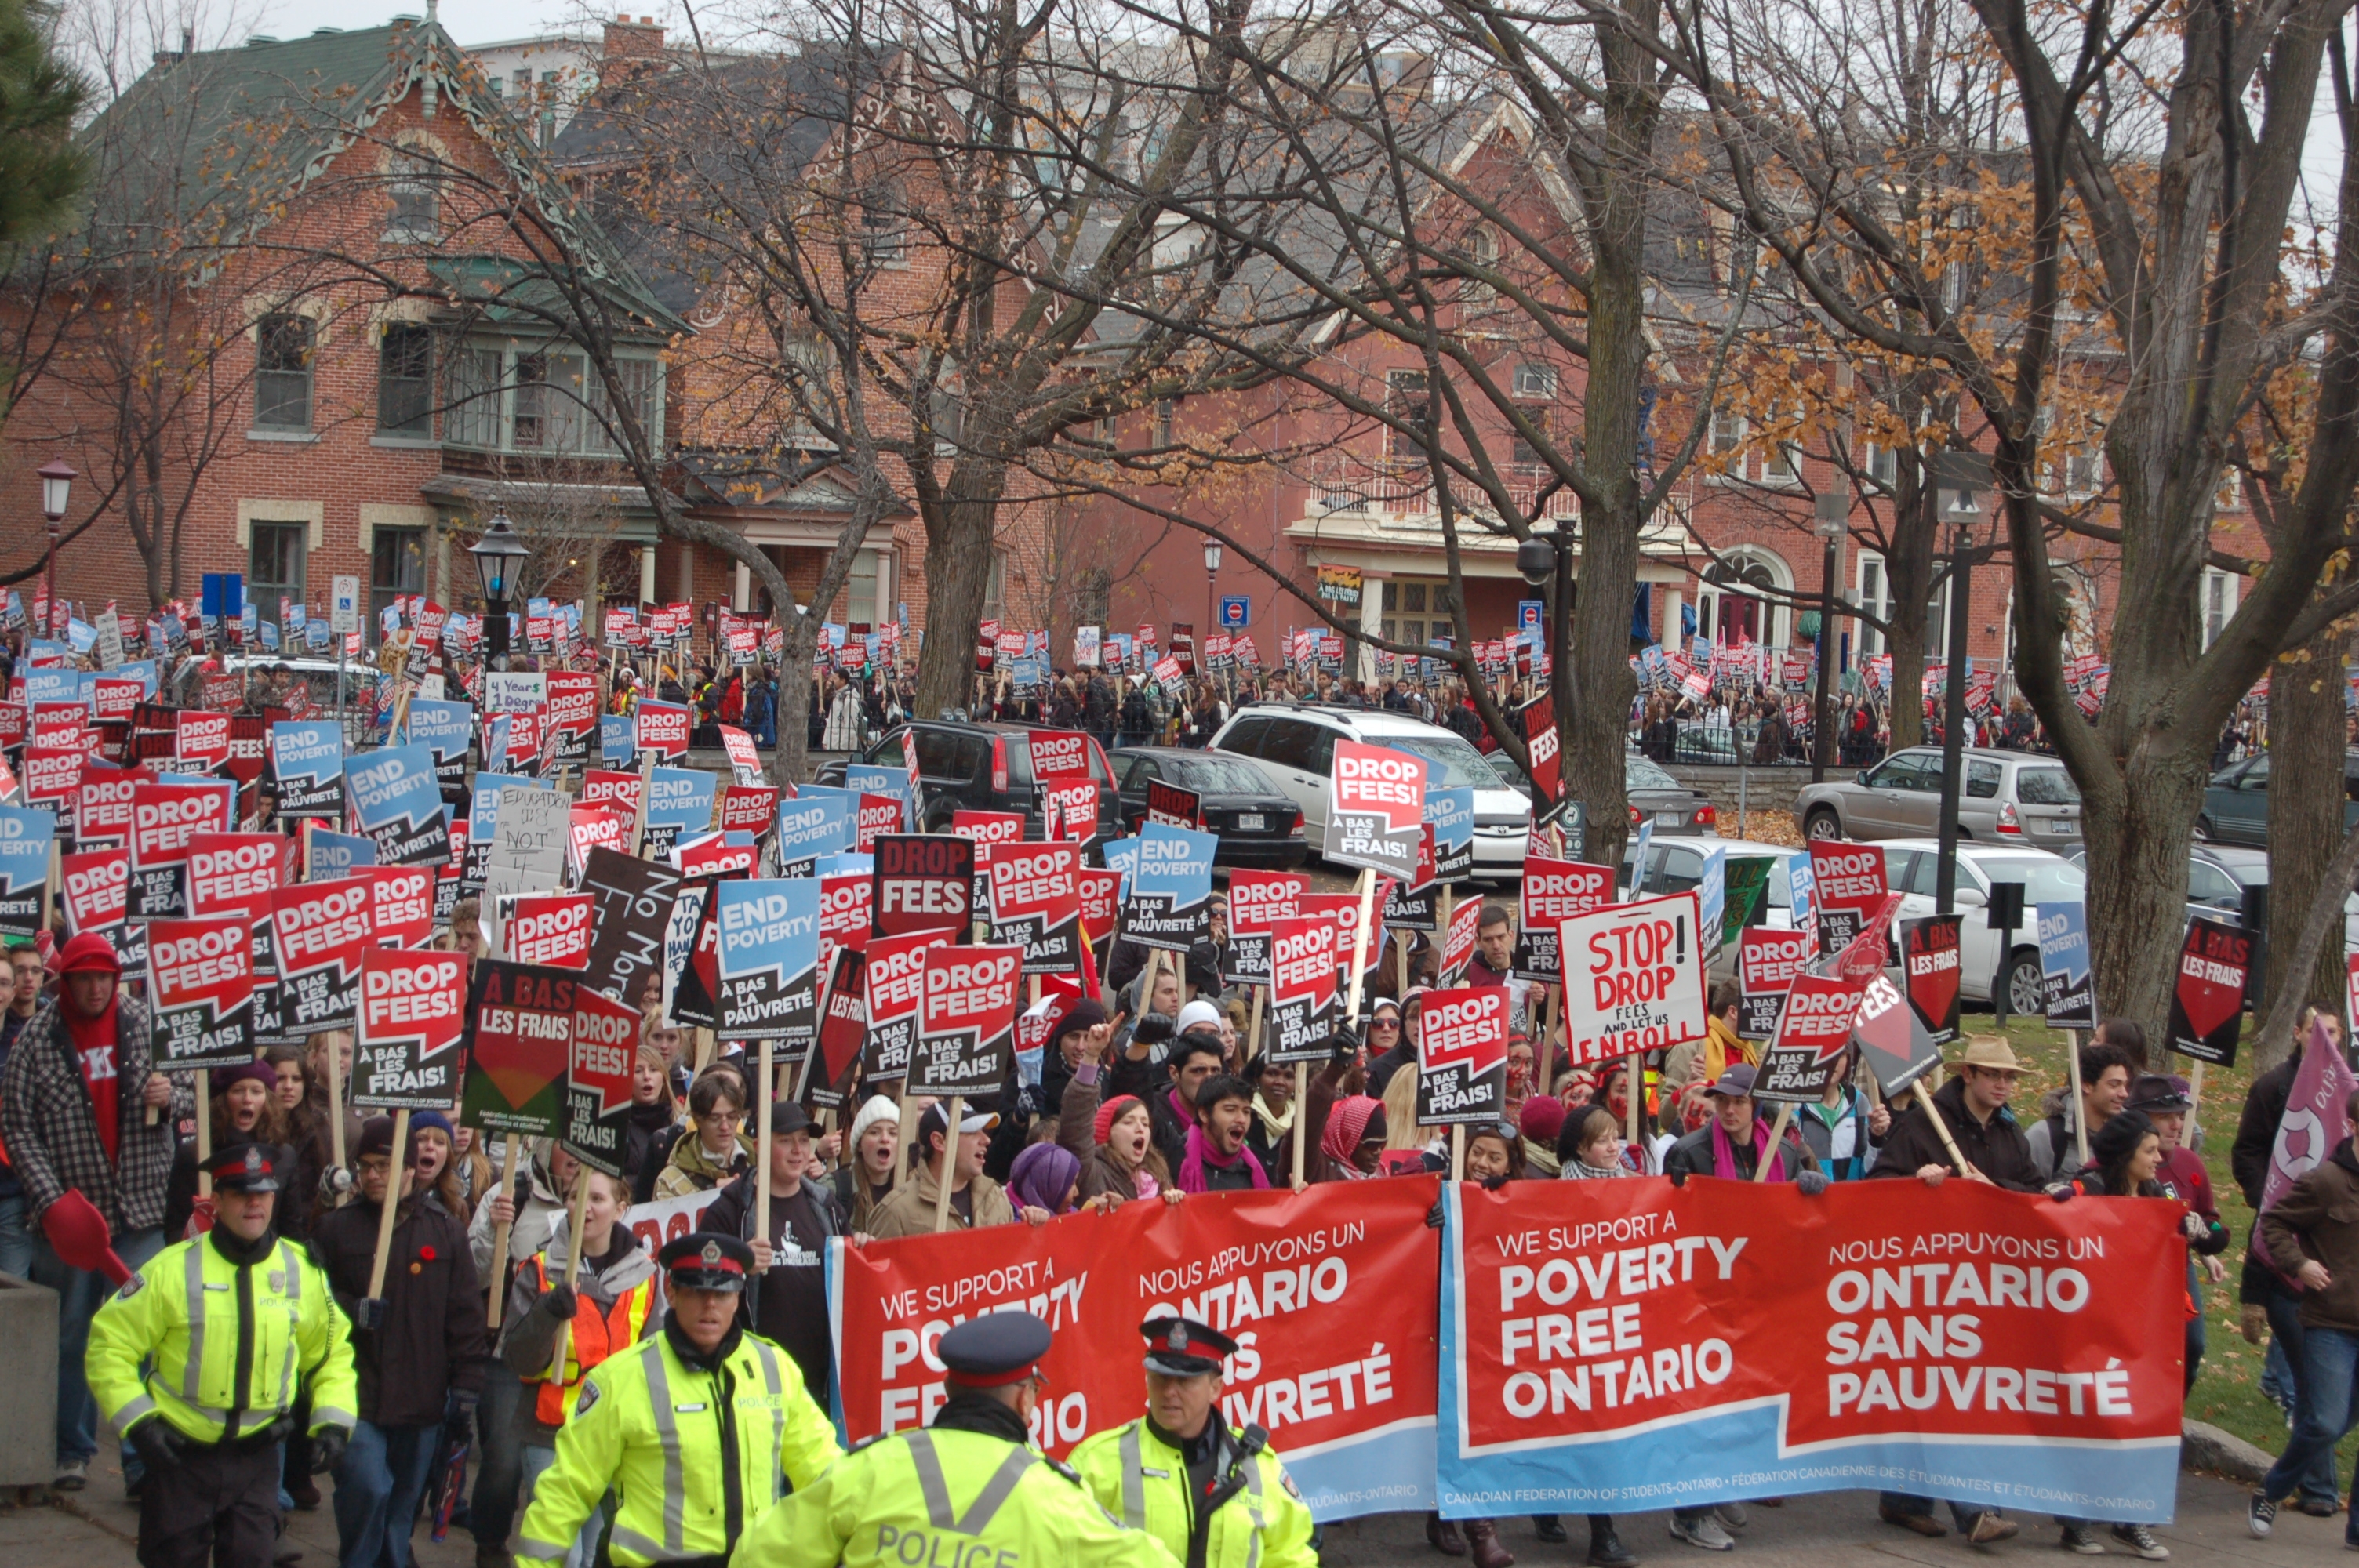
{"x":2306,"y":794}
{"x":791,"y":761}
{"x":1908,"y":568}
{"x":959,"y":535}
{"x":2138,"y":877}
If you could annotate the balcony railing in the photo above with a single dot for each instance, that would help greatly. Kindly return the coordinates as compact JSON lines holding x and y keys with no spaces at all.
{"x":1400,"y":493}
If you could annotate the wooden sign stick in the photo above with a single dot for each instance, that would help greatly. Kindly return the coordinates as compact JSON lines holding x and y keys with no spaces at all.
{"x":1777,"y":1138}
{"x":572,"y":1267}
{"x":392,"y":1202}
{"x":2080,"y":1111}
{"x":957,"y":1110}
{"x":1925,"y":1098}
{"x":1367,"y":891}
{"x":500,"y":1232}
{"x":204,"y":1151}
{"x":335,"y":1054}
{"x":762,"y":1144}
{"x":1456,"y":1150}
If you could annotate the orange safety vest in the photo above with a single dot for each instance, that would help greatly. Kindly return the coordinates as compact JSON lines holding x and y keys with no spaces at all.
{"x":593,"y":1338}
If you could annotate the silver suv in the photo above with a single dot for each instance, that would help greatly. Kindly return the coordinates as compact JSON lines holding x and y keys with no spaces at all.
{"x":2006,"y":797}
{"x":1295,"y":744}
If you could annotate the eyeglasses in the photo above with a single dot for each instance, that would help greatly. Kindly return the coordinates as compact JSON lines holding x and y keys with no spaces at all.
{"x":726,"y":1118}
{"x":1384,"y":1023}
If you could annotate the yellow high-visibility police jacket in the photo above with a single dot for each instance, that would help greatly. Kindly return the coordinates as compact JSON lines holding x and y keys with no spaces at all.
{"x":233,"y":1344}
{"x":692,"y":1453}
{"x":1143,"y":1481}
{"x":940,"y":1496}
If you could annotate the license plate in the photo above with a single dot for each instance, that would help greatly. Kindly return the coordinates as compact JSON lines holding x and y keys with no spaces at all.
{"x":1250,"y":822}
{"x":1670,"y":818}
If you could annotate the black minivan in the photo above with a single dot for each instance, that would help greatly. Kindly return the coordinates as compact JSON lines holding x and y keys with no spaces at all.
{"x":981,"y":767}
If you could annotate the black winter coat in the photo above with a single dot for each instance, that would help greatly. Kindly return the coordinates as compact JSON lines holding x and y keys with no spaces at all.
{"x":432,"y":1339}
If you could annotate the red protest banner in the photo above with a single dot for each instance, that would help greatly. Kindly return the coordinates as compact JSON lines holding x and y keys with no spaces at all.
{"x":1598,"y":1335}
{"x":549,"y":928}
{"x":1346,"y":1389}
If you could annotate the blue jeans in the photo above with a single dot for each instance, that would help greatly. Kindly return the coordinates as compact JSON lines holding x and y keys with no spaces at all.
{"x":16,"y":1241}
{"x":2286,"y":1330}
{"x":377,"y":1487}
{"x":499,"y":1458}
{"x":80,"y":1294}
{"x":2330,"y":1392}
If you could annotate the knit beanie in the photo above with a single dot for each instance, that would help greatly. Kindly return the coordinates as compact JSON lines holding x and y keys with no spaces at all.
{"x":1102,"y":1127}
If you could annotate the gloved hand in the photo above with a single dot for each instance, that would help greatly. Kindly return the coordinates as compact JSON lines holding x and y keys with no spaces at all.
{"x":369,"y":1314}
{"x":1433,"y":1215}
{"x":559,"y":1303}
{"x":2062,"y":1191}
{"x":1152,"y":1027}
{"x":328,"y":1448}
{"x":280,"y":1430}
{"x":1811,"y":1182}
{"x":1679,"y":1176}
{"x":335,"y":1182}
{"x":459,"y":1414}
{"x":159,"y":1443}
{"x":1347,"y":1039}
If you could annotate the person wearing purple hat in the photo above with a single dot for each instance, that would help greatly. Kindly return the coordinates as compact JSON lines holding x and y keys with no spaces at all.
{"x":1046,"y":1176}
{"x":245,"y":1109}
{"x":1540,"y":1122}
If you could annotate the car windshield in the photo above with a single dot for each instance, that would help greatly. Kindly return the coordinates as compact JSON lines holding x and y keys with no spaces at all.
{"x":1216,"y":775}
{"x":1454,"y":764}
{"x":1641,"y":772}
{"x":2044,"y":880}
{"x":2251,"y":874}
{"x":2046,"y":786}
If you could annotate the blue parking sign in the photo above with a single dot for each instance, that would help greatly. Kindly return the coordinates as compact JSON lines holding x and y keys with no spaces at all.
{"x":1236,"y":611}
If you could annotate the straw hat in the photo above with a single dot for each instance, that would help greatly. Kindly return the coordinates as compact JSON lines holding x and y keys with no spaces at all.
{"x":1991,"y":1054}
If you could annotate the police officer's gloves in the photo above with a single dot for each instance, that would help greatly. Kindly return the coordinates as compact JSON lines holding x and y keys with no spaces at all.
{"x":159,"y":1443}
{"x":328,"y":1449}
{"x":559,"y":1303}
{"x":1152,"y":1027}
{"x":1811,"y":1182}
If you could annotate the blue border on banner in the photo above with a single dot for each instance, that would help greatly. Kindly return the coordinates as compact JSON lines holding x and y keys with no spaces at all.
{"x":1654,"y":1465}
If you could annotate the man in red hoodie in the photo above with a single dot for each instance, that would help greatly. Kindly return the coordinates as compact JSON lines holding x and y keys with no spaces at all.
{"x":74,"y":1111}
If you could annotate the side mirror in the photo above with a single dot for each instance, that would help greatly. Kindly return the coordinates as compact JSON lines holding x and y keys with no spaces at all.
{"x":1862,"y":775}
{"x":1969,"y":898}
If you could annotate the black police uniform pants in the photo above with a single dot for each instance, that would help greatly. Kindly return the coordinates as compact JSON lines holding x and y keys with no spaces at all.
{"x":217,"y":1509}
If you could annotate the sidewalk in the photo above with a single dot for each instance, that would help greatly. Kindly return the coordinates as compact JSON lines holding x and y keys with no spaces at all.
{"x":97,"y":1529}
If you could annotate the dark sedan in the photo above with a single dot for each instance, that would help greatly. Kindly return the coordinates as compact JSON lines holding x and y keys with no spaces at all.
{"x":976,"y":767}
{"x":1651,"y":792}
{"x":1258,"y":824}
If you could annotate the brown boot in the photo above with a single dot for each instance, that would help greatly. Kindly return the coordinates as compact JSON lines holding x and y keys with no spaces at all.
{"x":1482,"y":1541}
{"x":1443,"y":1534}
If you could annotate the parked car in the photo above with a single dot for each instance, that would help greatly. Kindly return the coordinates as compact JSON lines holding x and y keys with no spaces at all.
{"x":2003,"y":797}
{"x":979,"y":767}
{"x":2236,"y":802}
{"x":1651,"y":792}
{"x":1258,"y":823}
{"x":1675,"y":864}
{"x":2217,"y":878}
{"x":1295,"y":744}
{"x":320,"y":676}
{"x":1911,"y":868}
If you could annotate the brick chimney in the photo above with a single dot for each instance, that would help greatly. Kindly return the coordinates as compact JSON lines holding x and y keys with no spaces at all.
{"x":631,"y":48}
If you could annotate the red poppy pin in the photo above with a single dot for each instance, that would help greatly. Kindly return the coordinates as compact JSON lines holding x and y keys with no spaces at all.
{"x":427,"y":1253}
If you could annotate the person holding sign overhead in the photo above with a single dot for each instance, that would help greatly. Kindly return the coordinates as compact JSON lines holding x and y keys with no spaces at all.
{"x":691,"y":1431}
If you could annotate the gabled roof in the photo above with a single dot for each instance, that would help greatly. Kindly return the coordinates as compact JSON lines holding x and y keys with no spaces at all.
{"x":205,"y":150}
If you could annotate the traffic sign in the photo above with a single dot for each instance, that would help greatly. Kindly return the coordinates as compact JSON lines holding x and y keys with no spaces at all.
{"x":1528,"y":613}
{"x":1236,"y":611}
{"x":345,"y":615}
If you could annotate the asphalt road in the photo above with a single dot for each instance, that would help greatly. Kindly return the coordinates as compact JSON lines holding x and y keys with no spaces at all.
{"x":97,"y":1530}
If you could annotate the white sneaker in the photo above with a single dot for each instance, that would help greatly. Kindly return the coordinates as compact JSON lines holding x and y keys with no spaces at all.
{"x":1703,"y":1531}
{"x":72,"y":1475}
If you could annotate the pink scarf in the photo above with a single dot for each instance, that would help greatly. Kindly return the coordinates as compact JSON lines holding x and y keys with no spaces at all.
{"x":1723,"y":1153}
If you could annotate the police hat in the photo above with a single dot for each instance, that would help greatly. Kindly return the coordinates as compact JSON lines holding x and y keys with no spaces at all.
{"x":705,"y":1260}
{"x":994,"y":1350}
{"x":246,"y":1167}
{"x":1182,"y":1348}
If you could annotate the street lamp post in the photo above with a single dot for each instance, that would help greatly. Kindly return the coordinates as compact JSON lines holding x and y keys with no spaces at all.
{"x":496,"y":554}
{"x":1211,"y":605}
{"x":57,"y":486}
{"x":1548,"y":558}
{"x":1832,"y":512}
{"x":1957,"y":477}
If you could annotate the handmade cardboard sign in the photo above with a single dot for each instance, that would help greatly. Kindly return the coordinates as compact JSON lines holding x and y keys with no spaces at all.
{"x":630,"y":906}
{"x":1634,"y":978}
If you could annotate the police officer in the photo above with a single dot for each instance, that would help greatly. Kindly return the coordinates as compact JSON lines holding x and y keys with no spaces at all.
{"x":1216,"y":1496}
{"x":969,"y":1489}
{"x":239,"y":1322}
{"x":691,"y":1431}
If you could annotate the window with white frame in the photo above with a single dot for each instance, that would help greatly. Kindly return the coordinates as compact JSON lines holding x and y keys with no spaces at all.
{"x":1782,"y":463}
{"x":1535,"y":380}
{"x":1482,"y":255}
{"x":2219,"y":602}
{"x":1873,"y":589}
{"x":1937,"y":621}
{"x":416,"y":185}
{"x":1881,"y":464}
{"x":1726,"y":439}
{"x":2084,"y":470}
{"x":534,"y":397}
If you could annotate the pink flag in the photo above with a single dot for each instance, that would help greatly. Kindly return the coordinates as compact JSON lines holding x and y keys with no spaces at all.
{"x":2313,"y":1120}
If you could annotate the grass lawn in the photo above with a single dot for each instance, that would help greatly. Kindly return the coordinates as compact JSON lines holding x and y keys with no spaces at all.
{"x":2228,"y":1387}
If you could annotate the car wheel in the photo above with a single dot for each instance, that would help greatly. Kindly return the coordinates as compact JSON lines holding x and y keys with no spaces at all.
{"x":2026,"y":994}
{"x":2203,"y":831}
{"x":1822,"y":824}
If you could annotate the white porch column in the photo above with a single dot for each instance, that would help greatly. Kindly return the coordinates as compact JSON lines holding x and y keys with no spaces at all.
{"x":1372,"y":622}
{"x":646,"y":574}
{"x":1668,"y":632}
{"x":883,"y":588}
{"x":741,"y":597}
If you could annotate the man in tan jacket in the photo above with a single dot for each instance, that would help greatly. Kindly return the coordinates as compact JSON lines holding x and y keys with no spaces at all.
{"x":975,"y":1198}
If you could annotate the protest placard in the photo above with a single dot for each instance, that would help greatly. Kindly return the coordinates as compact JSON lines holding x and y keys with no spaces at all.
{"x":1461,"y":1056}
{"x":28,"y":835}
{"x":1375,"y":809}
{"x":893,"y":987}
{"x":401,"y":905}
{"x":549,"y":929}
{"x":412,"y":1017}
{"x":602,"y":1051}
{"x":1035,"y":905}
{"x":522,"y":1043}
{"x":445,"y":729}
{"x":201,"y":992}
{"x":1929,"y":960}
{"x":1303,"y":963}
{"x":679,"y":803}
{"x":1767,"y":961}
{"x":1553,"y":892}
{"x":1451,"y":814}
{"x":1170,"y":805}
{"x":1634,"y":978}
{"x":769,"y":961}
{"x":1257,"y":899}
{"x":1169,"y":906}
{"x":101,"y":816}
{"x":307,"y":763}
{"x":966,"y":1021}
{"x":396,"y":799}
{"x":1458,"y":942}
{"x":324,"y":930}
{"x":528,"y":834}
{"x":1848,"y":880}
{"x":571,"y":720}
{"x":630,"y":906}
{"x":2207,"y":996}
{"x":164,"y":818}
{"x":663,"y":729}
{"x":2068,"y":980}
{"x":925,"y":881}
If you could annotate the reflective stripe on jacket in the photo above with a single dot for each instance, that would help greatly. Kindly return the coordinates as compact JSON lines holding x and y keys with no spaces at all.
{"x":693,"y":1456}
{"x":1143,"y":1481}
{"x":234,"y":1345}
